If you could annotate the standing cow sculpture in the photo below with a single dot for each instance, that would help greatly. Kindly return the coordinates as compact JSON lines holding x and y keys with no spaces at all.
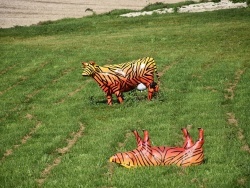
{"x":146,"y":155}
{"x":115,"y":79}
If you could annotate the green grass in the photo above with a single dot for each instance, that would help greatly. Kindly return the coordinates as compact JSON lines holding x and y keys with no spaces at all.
{"x":47,"y":107}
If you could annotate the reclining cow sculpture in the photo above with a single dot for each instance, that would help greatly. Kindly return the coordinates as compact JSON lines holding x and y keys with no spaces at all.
{"x":146,"y":155}
{"x":115,"y":79}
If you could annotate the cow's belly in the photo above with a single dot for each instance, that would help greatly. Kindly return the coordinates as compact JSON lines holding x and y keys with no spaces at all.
{"x":130,"y":84}
{"x":128,"y":88}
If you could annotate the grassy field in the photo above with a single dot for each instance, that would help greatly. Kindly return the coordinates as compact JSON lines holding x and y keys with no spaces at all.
{"x":57,"y":131}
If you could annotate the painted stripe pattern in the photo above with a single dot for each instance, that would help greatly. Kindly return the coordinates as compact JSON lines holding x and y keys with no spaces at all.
{"x":118,"y":78}
{"x":146,"y":155}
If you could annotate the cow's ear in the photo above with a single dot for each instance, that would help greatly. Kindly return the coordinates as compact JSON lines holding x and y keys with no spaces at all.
{"x":97,"y":68}
{"x":84,"y":64}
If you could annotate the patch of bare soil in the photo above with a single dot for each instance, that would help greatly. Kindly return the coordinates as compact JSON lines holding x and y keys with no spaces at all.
{"x":28,"y":12}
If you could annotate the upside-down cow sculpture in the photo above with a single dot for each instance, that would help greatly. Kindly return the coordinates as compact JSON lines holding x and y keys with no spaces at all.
{"x":115,"y":79}
{"x":146,"y":155}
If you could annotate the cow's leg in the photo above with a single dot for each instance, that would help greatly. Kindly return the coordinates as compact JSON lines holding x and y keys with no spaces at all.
{"x":146,"y":139}
{"x":199,"y":142}
{"x":155,"y":86}
{"x":146,"y":142}
{"x":156,"y":89}
{"x":119,"y":96}
{"x":201,"y":136}
{"x":150,"y":92}
{"x":152,"y":87}
{"x":138,"y":139}
{"x":109,"y":98}
{"x":195,"y":154}
{"x":188,"y":140}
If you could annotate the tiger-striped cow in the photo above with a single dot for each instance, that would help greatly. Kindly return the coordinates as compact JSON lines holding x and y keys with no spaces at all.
{"x":189,"y":154}
{"x":115,"y":79}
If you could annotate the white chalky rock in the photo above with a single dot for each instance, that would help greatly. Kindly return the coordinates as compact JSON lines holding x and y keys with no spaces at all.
{"x":200,"y":7}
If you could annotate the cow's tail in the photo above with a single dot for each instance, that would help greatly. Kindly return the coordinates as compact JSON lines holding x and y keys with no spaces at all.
{"x":156,"y":72}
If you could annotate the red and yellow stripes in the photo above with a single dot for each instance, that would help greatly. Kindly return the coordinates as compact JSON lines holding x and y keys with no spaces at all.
{"x":146,"y":155}
{"x":115,"y":79}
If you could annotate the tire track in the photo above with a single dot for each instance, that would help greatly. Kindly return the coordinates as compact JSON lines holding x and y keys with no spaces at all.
{"x":231,"y":119}
{"x":210,"y":88}
{"x":62,"y":100}
{"x":15,"y":109}
{"x":7,"y":69}
{"x":22,"y":79}
{"x":35,"y":92}
{"x":61,"y":151}
{"x":63,"y":73}
{"x":16,"y":84}
{"x":166,"y":68}
{"x":28,"y":136}
{"x":230,"y":91}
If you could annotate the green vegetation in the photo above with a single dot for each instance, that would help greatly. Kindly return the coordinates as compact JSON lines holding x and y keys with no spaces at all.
{"x":160,"y":5}
{"x":241,"y":1}
{"x":57,"y":131}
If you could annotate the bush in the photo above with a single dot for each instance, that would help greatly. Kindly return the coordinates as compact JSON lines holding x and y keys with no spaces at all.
{"x":238,"y":1}
{"x":155,"y":6}
{"x":216,"y":1}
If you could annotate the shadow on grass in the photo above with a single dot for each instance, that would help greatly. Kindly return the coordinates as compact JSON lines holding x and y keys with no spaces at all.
{"x":130,"y":97}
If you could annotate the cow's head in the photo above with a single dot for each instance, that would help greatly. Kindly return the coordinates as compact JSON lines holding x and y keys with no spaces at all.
{"x":88,"y":68}
{"x":125,"y":159}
